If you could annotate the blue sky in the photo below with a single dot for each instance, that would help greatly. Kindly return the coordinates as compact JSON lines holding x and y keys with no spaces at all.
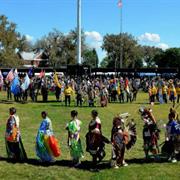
{"x":152,"y":22}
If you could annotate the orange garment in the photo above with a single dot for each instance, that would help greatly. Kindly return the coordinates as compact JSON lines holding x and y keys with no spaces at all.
{"x":171,"y":90}
{"x":178,"y":90}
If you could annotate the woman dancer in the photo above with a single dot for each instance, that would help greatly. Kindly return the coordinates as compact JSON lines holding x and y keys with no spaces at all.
{"x":95,"y":141}
{"x":74,"y":142}
{"x":14,"y":145}
{"x":46,"y":144}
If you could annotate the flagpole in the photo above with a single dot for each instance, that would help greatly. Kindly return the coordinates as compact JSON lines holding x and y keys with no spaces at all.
{"x":121,"y":36}
{"x":79,"y":31}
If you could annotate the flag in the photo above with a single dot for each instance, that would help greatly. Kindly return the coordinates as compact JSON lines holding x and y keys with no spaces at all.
{"x":15,"y":72}
{"x":120,"y":4}
{"x":127,"y":85}
{"x":42,"y":74}
{"x":1,"y":79}
{"x":56,"y":81}
{"x":15,"y":86}
{"x":26,"y":83}
{"x":10,"y":76}
{"x":31,"y":72}
{"x":1,"y":76}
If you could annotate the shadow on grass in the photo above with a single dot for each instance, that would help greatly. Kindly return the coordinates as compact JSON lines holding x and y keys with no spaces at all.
{"x":74,"y":106}
{"x":6,"y":102}
{"x":159,"y":159}
{"x":87,"y":165}
{"x":146,"y":161}
{"x":58,"y":103}
{"x":14,"y":102}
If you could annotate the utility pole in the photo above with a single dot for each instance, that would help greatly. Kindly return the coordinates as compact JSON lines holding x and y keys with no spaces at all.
{"x":79,"y":31}
{"x":121,"y":36}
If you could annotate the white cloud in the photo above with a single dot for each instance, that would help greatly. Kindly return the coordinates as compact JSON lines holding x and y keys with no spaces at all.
{"x":102,"y":54}
{"x":95,"y":44}
{"x":93,"y":35}
{"x":150,"y":37}
{"x":163,"y":46}
{"x":29,"y":38}
{"x":94,"y":39}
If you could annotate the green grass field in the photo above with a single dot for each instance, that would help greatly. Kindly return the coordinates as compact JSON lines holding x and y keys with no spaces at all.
{"x":30,"y":120}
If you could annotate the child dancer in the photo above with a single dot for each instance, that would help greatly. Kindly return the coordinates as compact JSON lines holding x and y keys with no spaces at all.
{"x":74,"y":142}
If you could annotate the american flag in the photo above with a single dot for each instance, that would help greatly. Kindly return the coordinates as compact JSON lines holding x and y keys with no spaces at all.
{"x":120,"y":4}
{"x":10,"y":75}
{"x":1,"y":79}
{"x":15,"y":72}
{"x":42,"y":74}
{"x":1,"y":76}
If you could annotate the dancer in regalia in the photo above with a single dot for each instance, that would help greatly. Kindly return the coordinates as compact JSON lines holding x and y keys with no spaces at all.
{"x":118,"y":142}
{"x":103,"y":96}
{"x":95,"y":141}
{"x":46,"y":144}
{"x":74,"y":142}
{"x":171,"y":146}
{"x":14,"y":146}
{"x":122,"y":138}
{"x":150,"y":132}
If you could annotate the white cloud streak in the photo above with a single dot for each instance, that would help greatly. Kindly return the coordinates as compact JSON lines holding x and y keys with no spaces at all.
{"x":94,"y":35}
{"x":150,"y":37}
{"x":29,"y":38}
{"x":94,"y":39}
{"x":163,"y":46}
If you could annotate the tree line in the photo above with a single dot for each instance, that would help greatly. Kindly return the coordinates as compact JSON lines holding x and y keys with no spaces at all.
{"x":61,"y":49}
{"x":136,"y":55}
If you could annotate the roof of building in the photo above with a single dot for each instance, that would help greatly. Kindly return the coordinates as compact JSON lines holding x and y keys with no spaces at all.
{"x":33,"y":55}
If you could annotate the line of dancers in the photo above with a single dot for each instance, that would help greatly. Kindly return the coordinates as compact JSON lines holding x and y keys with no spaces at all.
{"x":123,"y":136}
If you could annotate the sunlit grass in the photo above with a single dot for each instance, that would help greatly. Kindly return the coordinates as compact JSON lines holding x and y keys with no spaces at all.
{"x":30,"y":120}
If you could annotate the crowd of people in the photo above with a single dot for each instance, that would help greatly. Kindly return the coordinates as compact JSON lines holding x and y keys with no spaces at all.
{"x":123,"y":136}
{"x":88,"y":90}
{"x":164,"y":90}
{"x":93,"y":91}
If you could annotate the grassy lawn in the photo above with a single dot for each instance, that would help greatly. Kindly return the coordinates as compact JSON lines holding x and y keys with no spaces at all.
{"x":30,"y":120}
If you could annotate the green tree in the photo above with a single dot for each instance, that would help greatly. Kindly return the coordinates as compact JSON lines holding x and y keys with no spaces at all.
{"x":104,"y":63}
{"x":168,"y":58}
{"x":90,"y":58}
{"x":60,"y":47}
{"x":24,"y":45}
{"x":132,"y":53}
{"x":10,"y":41}
{"x":148,"y":55}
